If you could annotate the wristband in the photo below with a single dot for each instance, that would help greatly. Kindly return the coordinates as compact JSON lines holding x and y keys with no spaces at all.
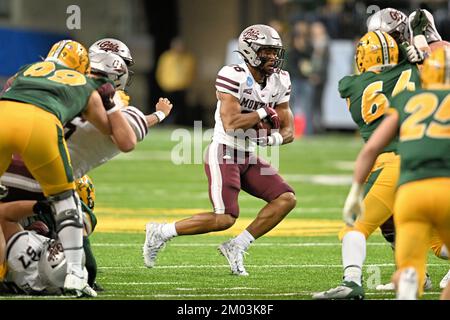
{"x":113,"y":109}
{"x":160,"y":115}
{"x":262,"y":113}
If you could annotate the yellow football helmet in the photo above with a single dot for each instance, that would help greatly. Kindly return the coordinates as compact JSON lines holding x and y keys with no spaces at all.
{"x":71,"y":54}
{"x":86,"y":191}
{"x":375,"y":51}
{"x":435,"y":71}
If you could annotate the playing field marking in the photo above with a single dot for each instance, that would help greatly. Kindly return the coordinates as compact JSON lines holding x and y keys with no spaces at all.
{"x":266,"y":244}
{"x":288,"y":227}
{"x":208,"y":295}
{"x":321,"y":179}
{"x":141,"y":283}
{"x":217,"y":289}
{"x":278,"y":266}
{"x":149,"y":212}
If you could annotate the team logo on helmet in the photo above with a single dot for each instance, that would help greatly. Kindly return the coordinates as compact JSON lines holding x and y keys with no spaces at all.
{"x":251,"y":34}
{"x":109,"y":46}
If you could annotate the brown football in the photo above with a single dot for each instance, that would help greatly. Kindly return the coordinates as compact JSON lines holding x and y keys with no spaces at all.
{"x":40,"y":228}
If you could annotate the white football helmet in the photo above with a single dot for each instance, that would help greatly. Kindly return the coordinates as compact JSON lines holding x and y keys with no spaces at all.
{"x":431,"y":33}
{"x":114,"y":46}
{"x":112,"y":66}
{"x":53,"y":264}
{"x":391,"y":21}
{"x":256,"y":37}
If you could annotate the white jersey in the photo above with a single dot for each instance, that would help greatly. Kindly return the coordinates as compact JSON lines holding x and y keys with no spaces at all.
{"x":238,"y":81}
{"x":89,"y":148}
{"x":23,"y":252}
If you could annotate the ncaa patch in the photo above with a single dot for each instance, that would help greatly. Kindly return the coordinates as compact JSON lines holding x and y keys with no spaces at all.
{"x":249,"y":81}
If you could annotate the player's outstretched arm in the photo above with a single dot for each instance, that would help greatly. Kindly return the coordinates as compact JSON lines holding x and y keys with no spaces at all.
{"x":286,"y":122}
{"x":103,"y":114}
{"x":163,"y":109}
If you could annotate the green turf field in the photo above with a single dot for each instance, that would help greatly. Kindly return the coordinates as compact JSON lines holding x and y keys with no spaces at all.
{"x":299,"y":257}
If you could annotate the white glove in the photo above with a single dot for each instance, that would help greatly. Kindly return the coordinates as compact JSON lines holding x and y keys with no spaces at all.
{"x":414,"y":54}
{"x":354,"y":206}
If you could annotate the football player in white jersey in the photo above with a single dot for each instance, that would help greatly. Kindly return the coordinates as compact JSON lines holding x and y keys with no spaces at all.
{"x":36,"y":263}
{"x":247,"y":93}
{"x":87,"y":146}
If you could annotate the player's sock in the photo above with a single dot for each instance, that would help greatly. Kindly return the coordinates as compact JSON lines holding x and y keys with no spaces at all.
{"x":3,"y":270}
{"x":244,"y":239}
{"x":91,"y":263}
{"x":72,"y":241}
{"x":353,"y":256}
{"x":169,"y":231}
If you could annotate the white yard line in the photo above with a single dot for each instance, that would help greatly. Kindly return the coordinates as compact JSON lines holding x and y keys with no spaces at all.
{"x":271,"y":266}
{"x":266,"y":244}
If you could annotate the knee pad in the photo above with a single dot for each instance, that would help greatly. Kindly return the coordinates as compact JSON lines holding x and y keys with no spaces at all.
{"x":67,"y":210}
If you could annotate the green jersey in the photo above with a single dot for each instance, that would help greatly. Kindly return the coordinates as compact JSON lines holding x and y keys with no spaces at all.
{"x":368,"y":95}
{"x":424,"y":143}
{"x":54,"y":88}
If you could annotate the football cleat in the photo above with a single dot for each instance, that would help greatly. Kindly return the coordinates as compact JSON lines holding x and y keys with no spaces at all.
{"x":348,"y":290}
{"x":74,"y":284}
{"x":444,"y":280}
{"x":428,"y":285}
{"x":235,"y":257}
{"x":154,"y":242}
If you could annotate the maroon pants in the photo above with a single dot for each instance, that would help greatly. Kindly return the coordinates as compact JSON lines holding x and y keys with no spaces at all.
{"x":230,"y":170}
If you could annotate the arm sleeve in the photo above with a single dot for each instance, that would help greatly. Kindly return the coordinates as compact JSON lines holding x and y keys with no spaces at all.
{"x":137,"y":121}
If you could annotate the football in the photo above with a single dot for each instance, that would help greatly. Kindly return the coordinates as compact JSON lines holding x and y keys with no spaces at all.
{"x":40,"y":228}
{"x":264,"y":124}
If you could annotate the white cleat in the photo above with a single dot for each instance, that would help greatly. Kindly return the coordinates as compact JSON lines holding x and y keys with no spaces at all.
{"x":74,"y":284}
{"x":428,"y":285}
{"x":408,"y":285}
{"x":385,"y":287}
{"x":154,"y":242}
{"x":235,"y":257}
{"x":444,"y":280}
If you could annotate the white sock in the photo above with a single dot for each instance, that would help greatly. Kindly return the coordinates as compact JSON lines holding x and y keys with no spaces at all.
{"x":72,"y":241}
{"x":168,"y":230}
{"x":244,"y":239}
{"x":353,"y":256}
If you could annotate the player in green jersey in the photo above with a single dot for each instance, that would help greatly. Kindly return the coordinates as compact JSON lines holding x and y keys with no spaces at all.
{"x":422,"y":120}
{"x":381,"y":76}
{"x":42,"y":97}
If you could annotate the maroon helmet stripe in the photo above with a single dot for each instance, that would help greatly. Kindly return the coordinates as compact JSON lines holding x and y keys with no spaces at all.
{"x":228,"y":80}
{"x":226,"y":87}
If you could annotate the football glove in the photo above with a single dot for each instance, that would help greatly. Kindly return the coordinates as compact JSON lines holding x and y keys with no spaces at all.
{"x":354,"y":206}
{"x":107,"y":92}
{"x":272,"y":116}
{"x":419,"y":23}
{"x":414,"y":54}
